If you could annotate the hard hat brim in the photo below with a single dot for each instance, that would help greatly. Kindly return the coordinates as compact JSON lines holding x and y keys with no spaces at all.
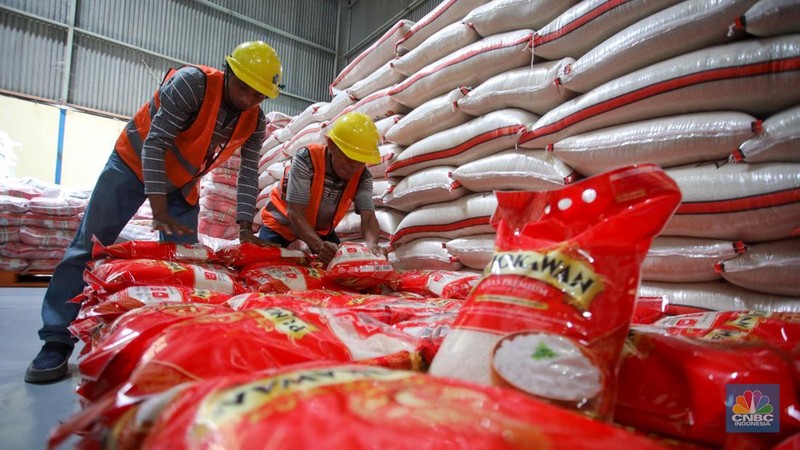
{"x":373,"y":157}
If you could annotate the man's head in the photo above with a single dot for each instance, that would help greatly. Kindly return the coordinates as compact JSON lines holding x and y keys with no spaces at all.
{"x":255,"y":73}
{"x":353,"y":142}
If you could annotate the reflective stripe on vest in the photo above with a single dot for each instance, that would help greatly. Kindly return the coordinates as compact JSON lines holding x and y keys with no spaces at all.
{"x":277,"y":198}
{"x":184,"y":161}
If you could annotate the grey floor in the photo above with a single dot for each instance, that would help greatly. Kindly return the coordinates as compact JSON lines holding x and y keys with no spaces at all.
{"x":28,"y":412}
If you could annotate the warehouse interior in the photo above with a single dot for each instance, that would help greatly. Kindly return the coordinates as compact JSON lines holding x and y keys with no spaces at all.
{"x":589,"y":211}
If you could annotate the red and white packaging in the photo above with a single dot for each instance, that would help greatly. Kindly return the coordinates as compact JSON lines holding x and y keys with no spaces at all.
{"x":355,"y":267}
{"x":552,"y":311}
{"x":169,"y":251}
{"x":437,"y":283}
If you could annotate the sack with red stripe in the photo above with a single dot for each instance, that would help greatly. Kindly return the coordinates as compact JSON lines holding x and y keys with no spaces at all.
{"x":169,"y":251}
{"x":113,"y":275}
{"x":449,"y":39}
{"x":678,"y":372}
{"x":551,"y":313}
{"x":433,"y":116}
{"x":482,"y":136}
{"x":652,"y":39}
{"x":431,"y":185}
{"x":754,"y":76}
{"x":590,"y":22}
{"x":748,"y":202}
{"x":678,"y":259}
{"x":777,"y":141}
{"x":769,"y":267}
{"x":424,"y":254}
{"x":116,"y":351}
{"x":716,"y":296}
{"x":354,"y":266}
{"x":468,"y":215}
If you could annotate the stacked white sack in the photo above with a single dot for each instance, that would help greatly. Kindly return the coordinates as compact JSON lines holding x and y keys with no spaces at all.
{"x":218,"y":195}
{"x":37,"y":223}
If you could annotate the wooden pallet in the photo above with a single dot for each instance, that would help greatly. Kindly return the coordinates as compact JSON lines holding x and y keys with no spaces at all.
{"x":30,"y":279}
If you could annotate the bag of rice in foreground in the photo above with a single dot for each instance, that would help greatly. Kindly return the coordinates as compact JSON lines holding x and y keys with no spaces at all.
{"x":551,"y":314}
{"x":354,"y":408}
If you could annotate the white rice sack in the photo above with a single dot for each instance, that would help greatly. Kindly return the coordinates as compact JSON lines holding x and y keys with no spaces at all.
{"x":771,"y":267}
{"x":432,"y":185}
{"x":269,"y":150}
{"x":424,"y":254}
{"x":752,"y":76}
{"x":525,"y":170}
{"x":437,"y":114}
{"x":13,"y":205}
{"x":534,"y":88}
{"x":718,"y":296}
{"x":679,"y":29}
{"x":772,"y":18}
{"x":590,"y":22}
{"x":442,"y":43}
{"x":447,"y":12}
{"x":57,"y":206}
{"x":685,"y":260}
{"x":263,"y":197}
{"x":277,"y":119}
{"x":474,"y":252}
{"x":313,"y":133}
{"x":378,"y":105}
{"x":385,"y":124}
{"x":468,"y":66}
{"x":380,"y":186}
{"x":778,"y":140}
{"x":499,"y":16}
{"x":349,"y":229}
{"x":305,"y":118}
{"x":278,"y":169}
{"x":666,"y":141}
{"x":265,"y":178}
{"x":389,"y":153}
{"x":382,"y":78}
{"x":482,"y":136}
{"x":466,"y":216}
{"x":376,"y":55}
{"x":13,"y":264}
{"x":748,"y":202}
{"x":327,"y":111}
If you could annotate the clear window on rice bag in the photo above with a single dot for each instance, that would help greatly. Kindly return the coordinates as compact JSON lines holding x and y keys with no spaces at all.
{"x":551,"y":313}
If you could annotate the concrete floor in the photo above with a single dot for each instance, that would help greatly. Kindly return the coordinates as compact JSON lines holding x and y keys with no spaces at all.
{"x":28,"y":412}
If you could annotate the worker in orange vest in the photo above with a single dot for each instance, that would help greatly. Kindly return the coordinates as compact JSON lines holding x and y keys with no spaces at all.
{"x":196,"y":119}
{"x":321,"y":184}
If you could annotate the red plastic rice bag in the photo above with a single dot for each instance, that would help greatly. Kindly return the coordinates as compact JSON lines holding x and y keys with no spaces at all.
{"x":551,"y":314}
{"x":650,"y":309}
{"x":109,"y":308}
{"x":431,"y":331}
{"x":676,"y":379}
{"x":169,"y":251}
{"x":355,"y":267}
{"x":356,"y":407}
{"x":278,"y":279}
{"x":117,"y":274}
{"x":437,"y":283}
{"x":244,"y":254}
{"x":260,"y":339}
{"x":111,"y":360}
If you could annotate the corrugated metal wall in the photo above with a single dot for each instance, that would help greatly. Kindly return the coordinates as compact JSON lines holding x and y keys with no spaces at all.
{"x":110,"y":55}
{"x":118,"y":50}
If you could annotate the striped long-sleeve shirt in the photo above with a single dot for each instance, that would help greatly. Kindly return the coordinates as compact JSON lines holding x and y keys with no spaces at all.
{"x":181,"y":97}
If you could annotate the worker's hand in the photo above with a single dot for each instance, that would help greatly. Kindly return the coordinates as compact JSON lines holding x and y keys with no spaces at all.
{"x":169,"y":226}
{"x":327,"y":251}
{"x":377,"y":250}
{"x":246,"y":235}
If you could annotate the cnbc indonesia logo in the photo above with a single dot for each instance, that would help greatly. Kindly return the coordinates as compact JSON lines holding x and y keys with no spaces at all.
{"x":752,"y":408}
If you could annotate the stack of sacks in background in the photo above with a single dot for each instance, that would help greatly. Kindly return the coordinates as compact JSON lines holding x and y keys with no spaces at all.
{"x":37,"y":223}
{"x":474,"y":87}
{"x":140,"y":227}
{"x":216,"y":225}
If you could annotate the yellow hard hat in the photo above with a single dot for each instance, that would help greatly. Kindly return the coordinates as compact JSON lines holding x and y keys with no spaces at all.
{"x":357,"y":136}
{"x":257,"y":64}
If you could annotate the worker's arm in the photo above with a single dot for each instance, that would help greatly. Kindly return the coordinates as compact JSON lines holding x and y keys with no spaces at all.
{"x":306,"y":232}
{"x":247,"y":184}
{"x":370,"y":229}
{"x":180,"y":99}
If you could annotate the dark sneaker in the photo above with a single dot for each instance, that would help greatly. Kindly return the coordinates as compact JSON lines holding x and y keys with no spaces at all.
{"x":50,"y":364}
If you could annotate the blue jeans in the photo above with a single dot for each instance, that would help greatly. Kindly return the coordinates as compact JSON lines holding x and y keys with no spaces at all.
{"x":116,"y":197}
{"x":267,"y":234}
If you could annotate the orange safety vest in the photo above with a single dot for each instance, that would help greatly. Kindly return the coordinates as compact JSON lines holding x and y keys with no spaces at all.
{"x":184,"y":162}
{"x":277,"y":197}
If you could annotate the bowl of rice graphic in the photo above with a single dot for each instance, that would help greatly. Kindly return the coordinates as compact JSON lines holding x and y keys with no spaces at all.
{"x":545,"y":365}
